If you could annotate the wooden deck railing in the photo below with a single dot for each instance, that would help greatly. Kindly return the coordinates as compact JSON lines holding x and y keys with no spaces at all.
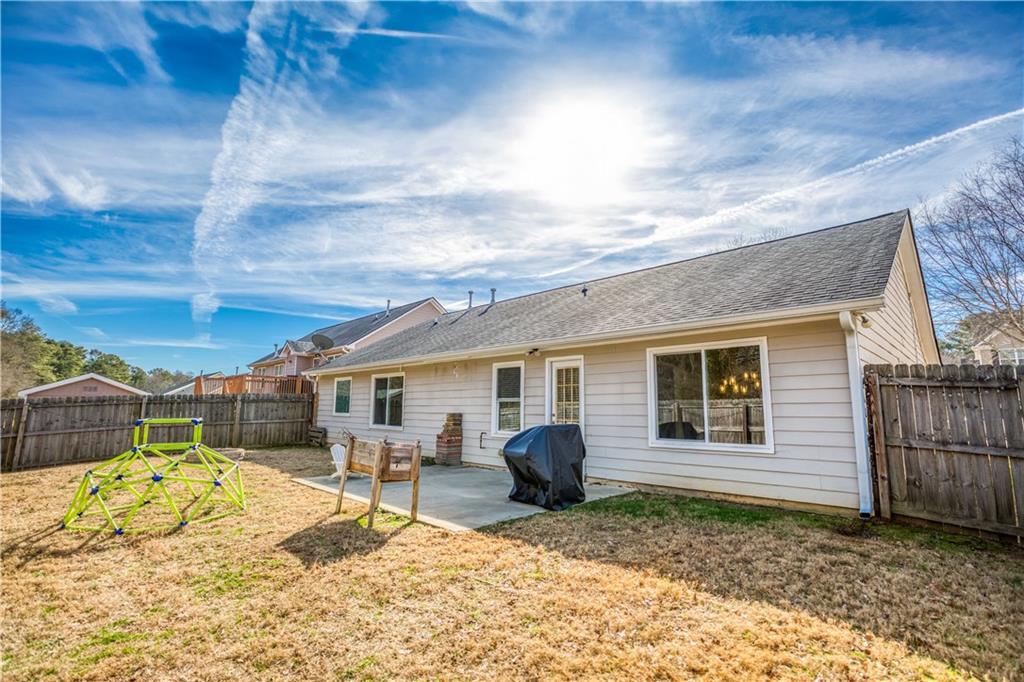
{"x":252,"y":383}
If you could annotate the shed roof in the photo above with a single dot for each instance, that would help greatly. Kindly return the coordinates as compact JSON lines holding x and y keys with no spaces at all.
{"x":842,"y":263}
{"x":81,"y":377}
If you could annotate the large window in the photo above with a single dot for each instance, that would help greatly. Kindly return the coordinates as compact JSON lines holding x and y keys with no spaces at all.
{"x":712,"y":396}
{"x":507,"y":398}
{"x":1011,"y":356}
{"x":342,"y":396}
{"x":388,"y":400}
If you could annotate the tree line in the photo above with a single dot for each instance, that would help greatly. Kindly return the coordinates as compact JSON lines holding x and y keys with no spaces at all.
{"x":28,"y":357}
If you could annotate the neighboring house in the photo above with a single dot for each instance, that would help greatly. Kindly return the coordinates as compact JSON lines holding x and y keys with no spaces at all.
{"x":85,"y":385}
{"x":190,"y":387}
{"x":999,"y":346}
{"x":736,"y":373}
{"x":294,"y":357}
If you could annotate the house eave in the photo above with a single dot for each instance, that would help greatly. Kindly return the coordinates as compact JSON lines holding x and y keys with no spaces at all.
{"x":783,"y":315}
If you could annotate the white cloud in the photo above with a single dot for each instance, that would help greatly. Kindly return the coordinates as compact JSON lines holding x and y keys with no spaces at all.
{"x":204,"y":305}
{"x":36,"y":180}
{"x":812,"y":65}
{"x":93,"y":332}
{"x":57,"y":305}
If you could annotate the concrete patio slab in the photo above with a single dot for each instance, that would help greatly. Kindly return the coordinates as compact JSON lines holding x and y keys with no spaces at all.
{"x":455,"y":498}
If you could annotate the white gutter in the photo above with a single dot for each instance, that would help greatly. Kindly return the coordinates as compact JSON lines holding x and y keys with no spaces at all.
{"x":848,"y":321}
{"x":633,"y":333}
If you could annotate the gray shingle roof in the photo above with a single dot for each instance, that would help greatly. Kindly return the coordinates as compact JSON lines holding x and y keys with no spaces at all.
{"x":346,"y":332}
{"x":843,"y":263}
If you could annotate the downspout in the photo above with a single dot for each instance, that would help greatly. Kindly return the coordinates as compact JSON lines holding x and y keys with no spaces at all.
{"x":848,"y":321}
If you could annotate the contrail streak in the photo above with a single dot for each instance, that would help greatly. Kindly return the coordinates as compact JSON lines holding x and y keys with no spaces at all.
{"x":671,"y":231}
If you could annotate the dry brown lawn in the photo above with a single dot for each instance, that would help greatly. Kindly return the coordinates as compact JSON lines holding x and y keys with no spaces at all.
{"x":642,"y":587}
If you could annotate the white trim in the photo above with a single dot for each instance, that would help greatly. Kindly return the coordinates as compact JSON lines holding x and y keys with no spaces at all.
{"x":494,"y":396}
{"x":848,"y":321}
{"x":373,"y":380}
{"x":549,"y":384}
{"x":652,"y":399}
{"x":782,"y":316}
{"x":81,"y":377}
{"x":334,"y":405}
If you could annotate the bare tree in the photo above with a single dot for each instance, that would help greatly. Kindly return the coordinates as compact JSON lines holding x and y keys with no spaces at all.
{"x":974,"y":242}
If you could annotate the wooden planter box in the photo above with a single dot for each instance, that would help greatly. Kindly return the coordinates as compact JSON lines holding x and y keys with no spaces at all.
{"x":387,"y":463}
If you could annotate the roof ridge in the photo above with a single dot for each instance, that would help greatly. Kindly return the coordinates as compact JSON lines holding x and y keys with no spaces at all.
{"x":681,"y":260}
{"x":376,"y":312}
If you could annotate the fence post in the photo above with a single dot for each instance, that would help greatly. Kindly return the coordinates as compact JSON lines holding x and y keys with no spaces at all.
{"x":16,"y":458}
{"x":142,"y":408}
{"x":877,"y":425}
{"x":236,"y":428}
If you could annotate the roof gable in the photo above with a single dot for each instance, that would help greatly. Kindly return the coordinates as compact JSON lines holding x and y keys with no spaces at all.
{"x":81,"y":377}
{"x":849,"y":262}
{"x":348,"y":332}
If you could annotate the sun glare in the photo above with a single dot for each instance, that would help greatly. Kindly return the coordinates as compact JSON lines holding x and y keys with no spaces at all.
{"x":580,"y":150}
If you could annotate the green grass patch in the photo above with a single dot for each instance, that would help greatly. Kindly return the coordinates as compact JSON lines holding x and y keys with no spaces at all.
{"x":650,"y":506}
{"x":236,"y":581}
{"x":679,"y":507}
{"x":383,"y":519}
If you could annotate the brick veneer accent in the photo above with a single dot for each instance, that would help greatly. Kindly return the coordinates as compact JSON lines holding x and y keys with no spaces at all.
{"x":448,"y":449}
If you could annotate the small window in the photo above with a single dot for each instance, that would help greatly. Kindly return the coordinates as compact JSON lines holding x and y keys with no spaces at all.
{"x":507,"y":404}
{"x":278,"y":370}
{"x":711,"y":396}
{"x":342,"y":396}
{"x":388,"y":400}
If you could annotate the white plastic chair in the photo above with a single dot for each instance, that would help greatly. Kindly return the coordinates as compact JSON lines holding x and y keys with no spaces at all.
{"x":338,"y":455}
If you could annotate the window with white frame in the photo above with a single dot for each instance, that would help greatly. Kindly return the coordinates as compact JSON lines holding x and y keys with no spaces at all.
{"x":388,"y":400}
{"x":507,"y":397}
{"x":278,"y":370}
{"x":342,"y":395}
{"x":1011,"y":356}
{"x":710,"y":396}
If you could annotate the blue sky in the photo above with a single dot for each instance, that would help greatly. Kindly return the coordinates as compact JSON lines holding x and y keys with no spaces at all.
{"x":186,"y":184}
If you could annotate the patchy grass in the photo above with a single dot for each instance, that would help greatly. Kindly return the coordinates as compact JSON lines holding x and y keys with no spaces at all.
{"x":640,"y":586}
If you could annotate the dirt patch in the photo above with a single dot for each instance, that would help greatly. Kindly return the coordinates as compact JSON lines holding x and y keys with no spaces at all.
{"x":640,"y":587}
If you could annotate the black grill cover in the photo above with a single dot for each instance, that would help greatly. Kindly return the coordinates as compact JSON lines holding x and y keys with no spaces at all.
{"x":547,"y":466}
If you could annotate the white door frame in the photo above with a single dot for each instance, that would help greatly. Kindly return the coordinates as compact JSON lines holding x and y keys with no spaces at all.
{"x":549,"y":384}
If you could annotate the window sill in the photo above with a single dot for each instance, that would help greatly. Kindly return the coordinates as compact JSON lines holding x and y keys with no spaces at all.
{"x":386,"y":427}
{"x":723,"y":448}
{"x":341,"y":414}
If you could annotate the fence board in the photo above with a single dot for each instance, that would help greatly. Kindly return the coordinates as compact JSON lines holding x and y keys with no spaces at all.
{"x":64,"y":430}
{"x":949,"y":443}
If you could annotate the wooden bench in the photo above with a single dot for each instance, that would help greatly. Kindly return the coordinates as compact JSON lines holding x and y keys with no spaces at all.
{"x":386,"y":463}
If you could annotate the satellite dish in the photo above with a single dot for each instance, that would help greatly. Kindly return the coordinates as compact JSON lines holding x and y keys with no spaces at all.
{"x":322,"y":341}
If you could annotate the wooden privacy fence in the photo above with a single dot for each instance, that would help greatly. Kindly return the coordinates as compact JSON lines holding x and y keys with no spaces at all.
{"x":948,"y":443}
{"x":49,"y":431}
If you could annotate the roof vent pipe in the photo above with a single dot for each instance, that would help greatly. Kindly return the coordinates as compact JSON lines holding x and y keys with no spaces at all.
{"x":492,"y":295}
{"x":387,"y":310}
{"x":470,"y":299}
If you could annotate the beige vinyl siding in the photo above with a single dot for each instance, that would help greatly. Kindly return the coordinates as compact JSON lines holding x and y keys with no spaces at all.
{"x":892,"y":336}
{"x":813,"y":460}
{"x":418,"y":315}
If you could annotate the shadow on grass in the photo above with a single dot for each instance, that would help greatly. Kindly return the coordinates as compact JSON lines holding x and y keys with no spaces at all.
{"x":949,"y":597}
{"x":335,"y":538}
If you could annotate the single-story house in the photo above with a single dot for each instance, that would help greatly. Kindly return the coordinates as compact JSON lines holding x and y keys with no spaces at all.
{"x":84,"y":385}
{"x":735,"y":374}
{"x":190,"y":387}
{"x":295,"y":356}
